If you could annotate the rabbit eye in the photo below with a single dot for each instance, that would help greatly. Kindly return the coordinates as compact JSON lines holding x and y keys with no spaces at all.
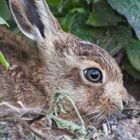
{"x":93,"y":75}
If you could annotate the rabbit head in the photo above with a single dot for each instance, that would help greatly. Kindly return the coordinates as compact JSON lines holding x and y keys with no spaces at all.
{"x":87,"y":72}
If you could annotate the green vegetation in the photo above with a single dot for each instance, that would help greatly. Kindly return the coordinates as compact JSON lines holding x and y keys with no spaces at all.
{"x":112,"y":24}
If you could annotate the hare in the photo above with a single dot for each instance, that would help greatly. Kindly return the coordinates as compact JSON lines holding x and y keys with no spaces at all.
{"x":59,"y":61}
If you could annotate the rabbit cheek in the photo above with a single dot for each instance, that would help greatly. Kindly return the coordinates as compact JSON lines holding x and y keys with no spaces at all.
{"x":113,"y":97}
{"x":90,"y":100}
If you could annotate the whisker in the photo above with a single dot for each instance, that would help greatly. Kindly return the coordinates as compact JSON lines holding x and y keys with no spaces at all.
{"x":92,"y":113}
{"x":108,"y":125}
{"x":90,"y":119}
{"x":99,"y":115}
{"x":96,"y":112}
{"x":120,"y":115}
{"x":93,"y":117}
{"x":114,"y":119}
{"x":103,"y":112}
{"x":79,"y":108}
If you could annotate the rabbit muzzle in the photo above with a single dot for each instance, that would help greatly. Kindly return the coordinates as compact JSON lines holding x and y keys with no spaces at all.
{"x":113,"y":99}
{"x":108,"y":105}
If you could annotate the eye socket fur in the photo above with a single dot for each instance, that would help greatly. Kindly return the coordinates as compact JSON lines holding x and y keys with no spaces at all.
{"x":93,"y":75}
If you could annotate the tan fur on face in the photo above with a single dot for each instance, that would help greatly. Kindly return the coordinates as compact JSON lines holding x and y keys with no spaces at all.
{"x":57,"y":64}
{"x":62,"y":71}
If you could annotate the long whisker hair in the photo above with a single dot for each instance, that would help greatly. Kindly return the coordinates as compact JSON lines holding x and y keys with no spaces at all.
{"x":102,"y":113}
{"x":97,"y":114}
{"x":96,"y":110}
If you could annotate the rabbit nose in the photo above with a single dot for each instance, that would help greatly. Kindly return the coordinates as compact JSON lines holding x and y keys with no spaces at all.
{"x":117,"y":93}
{"x":124,"y":96}
{"x":125,"y":103}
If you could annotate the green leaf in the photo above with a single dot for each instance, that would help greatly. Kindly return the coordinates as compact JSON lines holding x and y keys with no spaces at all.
{"x":4,"y":11}
{"x":2,"y":22}
{"x":68,"y":21}
{"x":80,"y":29}
{"x":95,"y":1}
{"x":53,"y":2}
{"x":133,"y":53}
{"x":116,"y":38}
{"x":85,"y":5}
{"x":53,"y":5}
{"x":127,"y":67}
{"x":62,"y":5}
{"x":130,"y":9}
{"x":103,"y":15}
{"x":3,"y":61}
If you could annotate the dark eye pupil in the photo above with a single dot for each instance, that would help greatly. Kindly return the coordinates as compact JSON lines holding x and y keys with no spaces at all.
{"x":93,"y":75}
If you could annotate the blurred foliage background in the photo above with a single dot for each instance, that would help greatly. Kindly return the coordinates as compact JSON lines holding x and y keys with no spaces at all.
{"x":111,"y":24}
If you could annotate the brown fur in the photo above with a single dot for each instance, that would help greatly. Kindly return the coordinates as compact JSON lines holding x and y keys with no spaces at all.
{"x":56,"y":65}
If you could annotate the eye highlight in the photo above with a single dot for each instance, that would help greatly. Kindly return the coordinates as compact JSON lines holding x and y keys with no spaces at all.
{"x":93,"y":75}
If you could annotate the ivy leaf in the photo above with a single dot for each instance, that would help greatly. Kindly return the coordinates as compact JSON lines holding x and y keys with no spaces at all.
{"x":130,"y":9}
{"x":62,"y":5}
{"x":4,"y":11}
{"x":95,"y":1}
{"x":133,"y":53}
{"x":115,"y":39}
{"x":3,"y":61}
{"x":103,"y":15}
{"x":127,"y":67}
{"x":69,"y":19}
{"x":2,"y":22}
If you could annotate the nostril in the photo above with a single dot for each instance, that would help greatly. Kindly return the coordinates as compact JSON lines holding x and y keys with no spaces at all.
{"x":124,"y":103}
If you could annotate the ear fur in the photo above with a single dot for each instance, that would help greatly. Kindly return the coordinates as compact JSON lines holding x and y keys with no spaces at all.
{"x":34,"y":18}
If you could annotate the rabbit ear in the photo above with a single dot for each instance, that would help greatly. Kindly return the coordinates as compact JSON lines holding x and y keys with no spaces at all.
{"x":34,"y":18}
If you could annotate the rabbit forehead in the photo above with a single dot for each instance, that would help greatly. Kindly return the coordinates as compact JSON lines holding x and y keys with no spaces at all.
{"x":90,"y":64}
{"x":90,"y":55}
{"x":98,"y":56}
